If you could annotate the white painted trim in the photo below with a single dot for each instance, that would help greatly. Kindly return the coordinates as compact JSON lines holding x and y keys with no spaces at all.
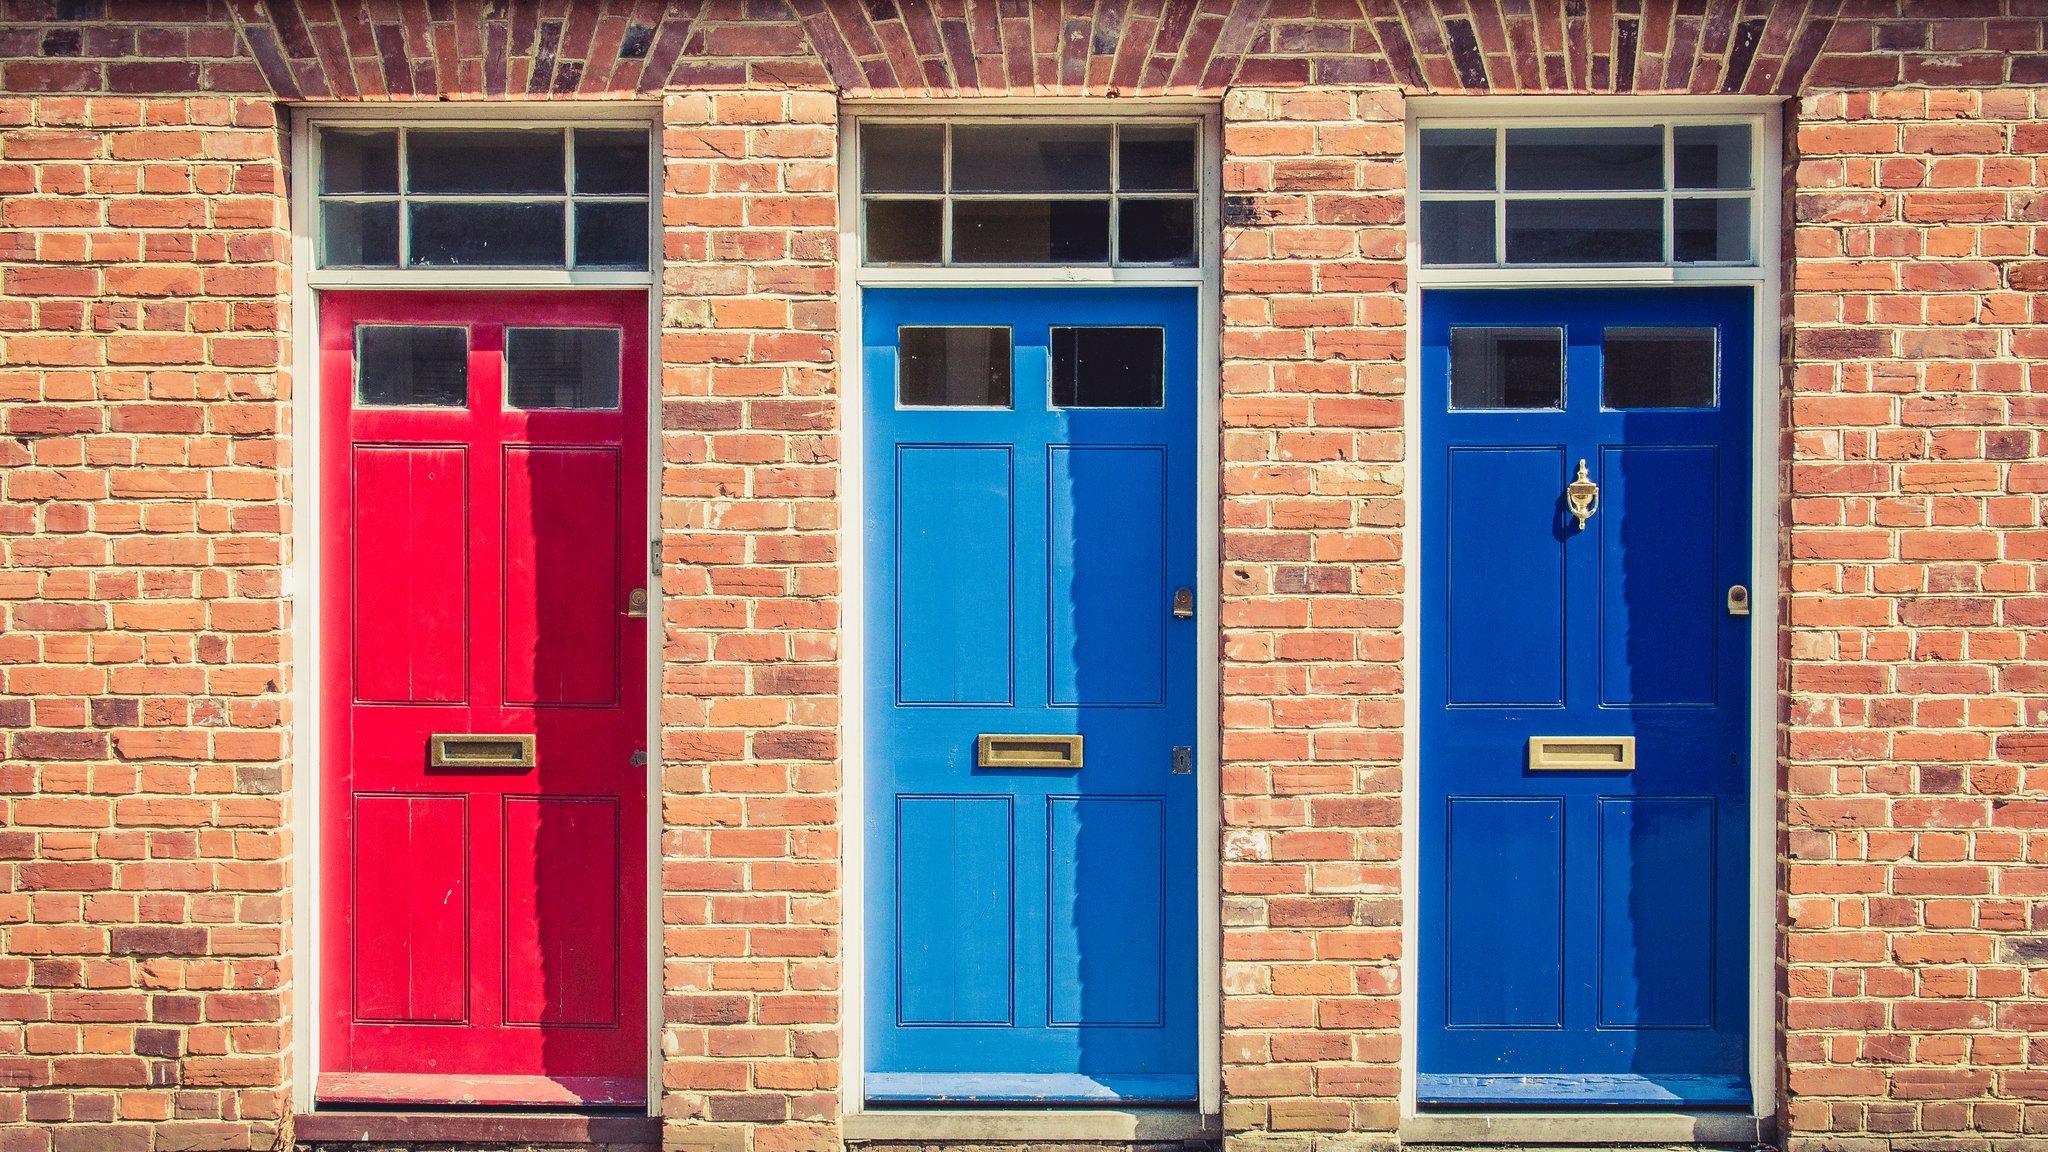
{"x":308,"y":119}
{"x":302,"y":574}
{"x":1208,"y":757}
{"x":1763,"y":278}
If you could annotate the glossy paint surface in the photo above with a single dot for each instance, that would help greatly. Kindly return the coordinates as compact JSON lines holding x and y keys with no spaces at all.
{"x":1583,"y":933}
{"x":1032,"y":932}
{"x":483,"y":925}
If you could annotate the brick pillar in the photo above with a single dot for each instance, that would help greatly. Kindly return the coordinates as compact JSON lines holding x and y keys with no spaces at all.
{"x":1913,"y":963}
{"x":750,"y":676}
{"x":1312,"y":486}
{"x":143,"y":971}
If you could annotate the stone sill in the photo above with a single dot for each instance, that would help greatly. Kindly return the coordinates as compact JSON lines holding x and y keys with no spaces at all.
{"x":449,"y":1127}
{"x":1002,"y":1125}
{"x":1612,"y":1129}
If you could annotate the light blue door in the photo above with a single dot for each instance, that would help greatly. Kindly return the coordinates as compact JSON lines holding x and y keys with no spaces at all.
{"x":1584,"y":754}
{"x":1030,"y":533}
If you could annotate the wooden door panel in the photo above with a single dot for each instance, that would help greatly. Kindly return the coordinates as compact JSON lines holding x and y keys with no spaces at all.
{"x":409,"y":521}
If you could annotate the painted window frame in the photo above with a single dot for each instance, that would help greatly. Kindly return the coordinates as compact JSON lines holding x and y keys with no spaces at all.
{"x":307,"y":198}
{"x":1115,"y":196}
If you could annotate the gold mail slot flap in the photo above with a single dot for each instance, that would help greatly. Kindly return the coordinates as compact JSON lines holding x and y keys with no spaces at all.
{"x":1027,"y":750}
{"x":1583,"y":753}
{"x":480,"y":750}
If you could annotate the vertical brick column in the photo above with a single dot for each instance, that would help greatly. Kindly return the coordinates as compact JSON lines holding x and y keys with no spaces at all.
{"x":750,"y":849}
{"x":1312,"y":513}
{"x":1916,"y":671}
{"x":143,"y":662}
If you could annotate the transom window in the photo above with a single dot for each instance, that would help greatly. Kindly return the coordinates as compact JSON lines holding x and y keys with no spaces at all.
{"x":1649,"y":194}
{"x":552,"y":198}
{"x":1024,"y":193}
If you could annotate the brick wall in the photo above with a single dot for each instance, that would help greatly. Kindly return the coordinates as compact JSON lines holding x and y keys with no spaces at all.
{"x":144,"y":968}
{"x":144,"y":667}
{"x":1916,"y":661}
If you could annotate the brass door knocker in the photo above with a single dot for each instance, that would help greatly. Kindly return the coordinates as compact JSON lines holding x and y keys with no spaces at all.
{"x":1582,"y":497}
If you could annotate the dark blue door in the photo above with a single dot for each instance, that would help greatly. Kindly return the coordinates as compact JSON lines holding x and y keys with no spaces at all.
{"x":1030,"y":531}
{"x":1585,"y":697}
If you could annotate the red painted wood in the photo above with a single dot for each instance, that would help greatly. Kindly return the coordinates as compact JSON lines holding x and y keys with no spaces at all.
{"x":483,"y":930}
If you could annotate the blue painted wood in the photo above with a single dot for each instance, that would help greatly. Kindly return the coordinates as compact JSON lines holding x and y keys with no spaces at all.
{"x":1657,"y":1091}
{"x":1597,"y":955}
{"x":1020,"y":576}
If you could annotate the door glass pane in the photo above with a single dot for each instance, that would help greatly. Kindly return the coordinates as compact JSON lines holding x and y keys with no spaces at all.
{"x":1108,"y":367}
{"x":953,"y":367}
{"x":1710,"y":230}
{"x":1031,"y":231}
{"x":1156,"y":231}
{"x":1710,"y":156}
{"x":562,"y":367}
{"x":1156,"y":158}
{"x":359,"y":235}
{"x":1585,"y":231}
{"x":611,"y":234}
{"x":490,"y":161}
{"x":1605,"y":159}
{"x":611,"y":161}
{"x":1030,"y":158}
{"x":1507,"y":367}
{"x":1457,"y":160}
{"x":903,"y":231}
{"x":413,"y":365}
{"x":492,"y":235}
{"x":1457,"y":232}
{"x":902,"y":157}
{"x":357,"y":162}
{"x":1657,"y":368}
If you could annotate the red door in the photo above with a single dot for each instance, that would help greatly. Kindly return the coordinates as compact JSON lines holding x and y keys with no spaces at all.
{"x":484,"y":487}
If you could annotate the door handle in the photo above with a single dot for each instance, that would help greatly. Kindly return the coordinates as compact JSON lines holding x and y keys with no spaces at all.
{"x":1738,"y":600}
{"x":1582,"y":497}
{"x":1183,"y":603}
{"x":636,"y":604}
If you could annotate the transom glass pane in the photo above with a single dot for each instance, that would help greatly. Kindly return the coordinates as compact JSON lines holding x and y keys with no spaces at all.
{"x":1635,"y":194}
{"x":562,"y":367}
{"x":1657,"y":368}
{"x":1710,"y":156}
{"x":484,"y":198}
{"x":359,"y":162}
{"x":1588,"y":159}
{"x":1108,"y":367}
{"x":1457,"y":160}
{"x":953,"y":367}
{"x":1029,"y":193}
{"x":493,"y":161}
{"x":412,"y":365}
{"x":1507,"y":368}
{"x":1030,"y":158}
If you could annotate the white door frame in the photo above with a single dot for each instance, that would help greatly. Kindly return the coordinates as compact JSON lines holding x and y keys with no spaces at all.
{"x":302,"y":570}
{"x":1762,"y":276}
{"x":1206,"y":278}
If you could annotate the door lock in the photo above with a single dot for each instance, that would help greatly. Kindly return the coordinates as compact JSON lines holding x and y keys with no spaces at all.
{"x":1183,"y":604}
{"x":1183,"y":760}
{"x":1738,"y":600}
{"x":636,"y":604}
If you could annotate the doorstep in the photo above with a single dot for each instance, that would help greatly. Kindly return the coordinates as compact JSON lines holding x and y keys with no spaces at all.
{"x":1579,"y":1129}
{"x":1004,"y":1125}
{"x":612,"y":1130}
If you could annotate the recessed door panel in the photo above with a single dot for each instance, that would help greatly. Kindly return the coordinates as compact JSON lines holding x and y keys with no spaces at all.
{"x":1504,"y":567}
{"x":1108,"y":597}
{"x":1106,"y":941}
{"x":955,"y":950}
{"x":955,"y":567}
{"x":561,"y":910}
{"x":1584,"y":749}
{"x":410,"y":506}
{"x":411,"y":880}
{"x":562,"y":609}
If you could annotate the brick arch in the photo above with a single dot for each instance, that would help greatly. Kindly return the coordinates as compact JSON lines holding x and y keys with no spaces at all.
{"x":522,"y":49}
{"x":442,"y":49}
{"x":917,"y":48}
